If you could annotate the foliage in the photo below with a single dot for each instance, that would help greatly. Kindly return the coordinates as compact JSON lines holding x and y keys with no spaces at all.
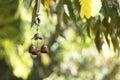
{"x":105,"y":25}
{"x":70,"y":37}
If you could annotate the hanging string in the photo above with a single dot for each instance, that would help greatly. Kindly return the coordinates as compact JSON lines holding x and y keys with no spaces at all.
{"x":37,"y":29}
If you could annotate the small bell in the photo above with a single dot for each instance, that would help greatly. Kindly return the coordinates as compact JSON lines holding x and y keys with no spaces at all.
{"x":33,"y":50}
{"x":44,"y":49}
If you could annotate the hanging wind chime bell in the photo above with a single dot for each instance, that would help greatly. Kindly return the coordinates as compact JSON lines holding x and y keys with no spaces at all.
{"x":33,"y":49}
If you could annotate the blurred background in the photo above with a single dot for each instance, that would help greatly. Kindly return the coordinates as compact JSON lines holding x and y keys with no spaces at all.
{"x":86,"y":48}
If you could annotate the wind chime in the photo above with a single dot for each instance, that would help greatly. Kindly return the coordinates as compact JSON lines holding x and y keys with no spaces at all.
{"x":33,"y":49}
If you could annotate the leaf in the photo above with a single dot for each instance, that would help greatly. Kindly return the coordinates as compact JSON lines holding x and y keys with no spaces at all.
{"x":30,"y":3}
{"x":105,"y":23}
{"x":91,"y":24}
{"x":63,"y":36}
{"x":115,"y":42}
{"x":43,"y":2}
{"x":96,"y":26}
{"x":65,"y":19}
{"x":33,"y":15}
{"x":57,"y":31}
{"x":38,"y":6}
{"x":106,"y":37}
{"x":60,"y":12}
{"x":27,"y":3}
{"x":98,"y":41}
{"x":70,"y":8}
{"x":88,"y":29}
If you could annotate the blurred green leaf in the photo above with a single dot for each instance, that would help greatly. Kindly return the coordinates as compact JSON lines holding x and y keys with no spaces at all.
{"x":70,"y":9}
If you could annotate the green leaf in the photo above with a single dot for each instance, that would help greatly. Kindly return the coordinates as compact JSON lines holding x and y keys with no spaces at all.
{"x":88,"y":30}
{"x":65,"y":19}
{"x":106,"y":37}
{"x":33,"y":14}
{"x":70,"y":8}
{"x":28,"y":3}
{"x":38,"y":6}
{"x":42,"y":1}
{"x":98,"y":41}
{"x":96,"y":26}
